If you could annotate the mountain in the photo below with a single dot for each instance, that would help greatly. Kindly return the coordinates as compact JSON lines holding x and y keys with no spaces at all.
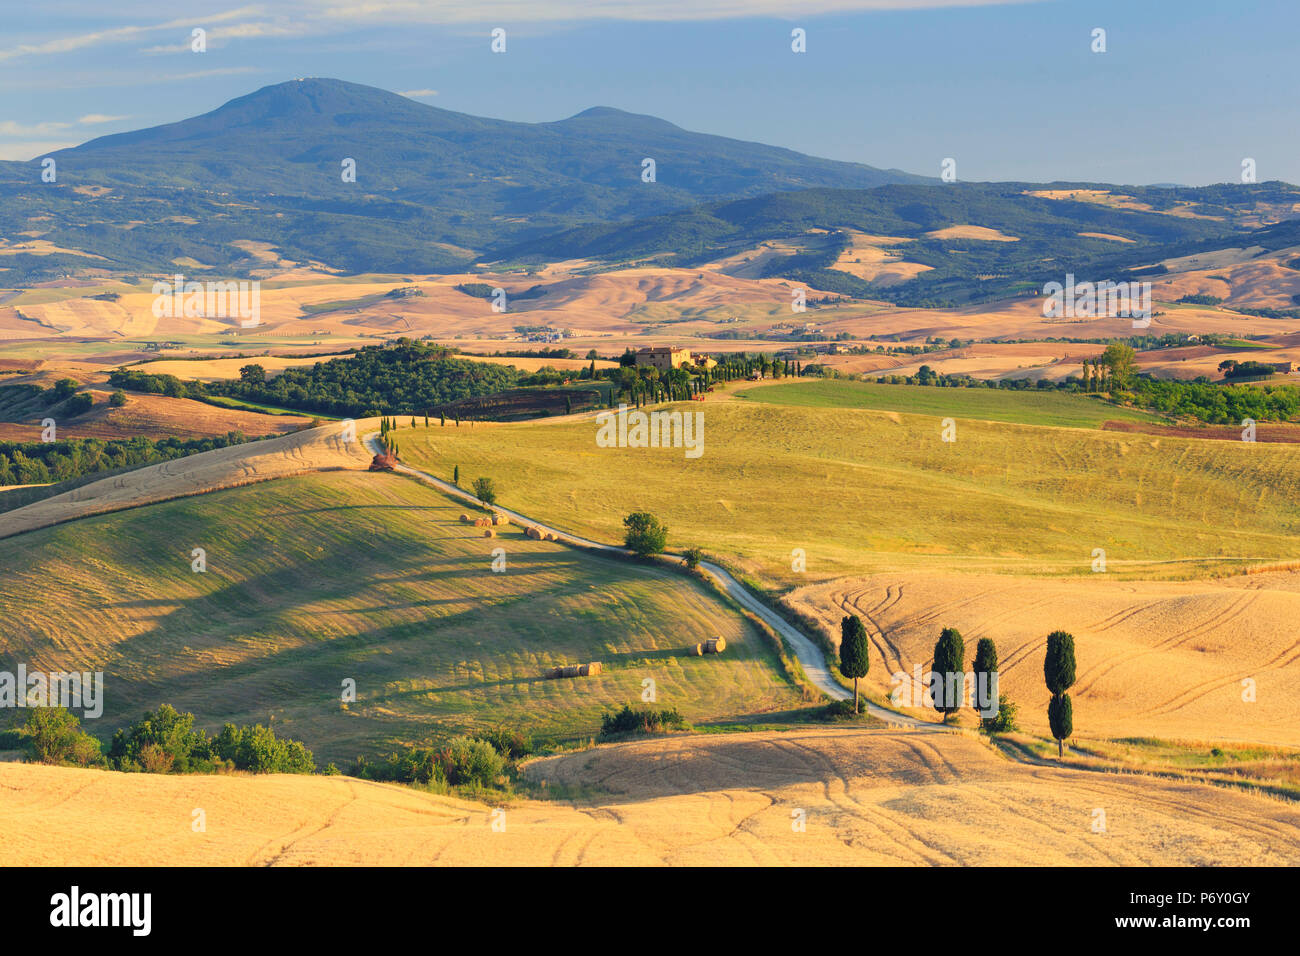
{"x":433,"y":187}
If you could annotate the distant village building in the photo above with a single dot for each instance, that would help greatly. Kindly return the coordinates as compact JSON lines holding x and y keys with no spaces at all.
{"x":664,"y":357}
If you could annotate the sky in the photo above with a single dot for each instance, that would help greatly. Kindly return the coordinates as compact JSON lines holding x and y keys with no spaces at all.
{"x":1184,"y":92}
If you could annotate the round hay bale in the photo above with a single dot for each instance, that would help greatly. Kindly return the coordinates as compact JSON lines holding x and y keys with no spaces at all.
{"x":592,"y":669}
{"x":464,"y":518}
{"x":696,"y":649}
{"x":533,"y":533}
{"x":489,"y":533}
{"x":715,"y":645}
{"x":500,"y":519}
{"x":555,"y":672}
{"x":572,"y":670}
{"x":482,"y":522}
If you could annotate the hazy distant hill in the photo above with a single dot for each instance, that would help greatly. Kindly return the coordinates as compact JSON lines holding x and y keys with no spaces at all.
{"x":432,"y":186}
{"x":1102,"y":237}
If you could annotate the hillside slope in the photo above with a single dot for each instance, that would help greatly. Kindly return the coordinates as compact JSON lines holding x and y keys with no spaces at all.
{"x":314,"y":580}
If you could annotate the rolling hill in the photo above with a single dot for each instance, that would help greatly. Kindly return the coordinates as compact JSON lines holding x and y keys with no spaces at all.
{"x":863,"y":490}
{"x":954,"y":244}
{"x":315,"y":579}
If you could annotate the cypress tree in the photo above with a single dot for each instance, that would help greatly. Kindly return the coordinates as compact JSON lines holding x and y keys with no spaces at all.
{"x":986,"y":665}
{"x":854,"y":661}
{"x":1058,"y":672}
{"x":948,"y":670}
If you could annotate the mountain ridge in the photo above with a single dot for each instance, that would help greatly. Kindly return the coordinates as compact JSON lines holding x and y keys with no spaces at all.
{"x":432,"y":187}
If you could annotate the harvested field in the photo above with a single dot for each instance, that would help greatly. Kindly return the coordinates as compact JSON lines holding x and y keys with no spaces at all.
{"x":155,"y":416}
{"x":312,"y":450}
{"x":1155,"y":658}
{"x":1284,"y":432}
{"x":865,"y":798}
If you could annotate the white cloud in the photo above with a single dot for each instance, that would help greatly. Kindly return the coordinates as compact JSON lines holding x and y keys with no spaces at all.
{"x":414,"y":94}
{"x":91,"y":119}
{"x":24,"y":151}
{"x":10,"y":128}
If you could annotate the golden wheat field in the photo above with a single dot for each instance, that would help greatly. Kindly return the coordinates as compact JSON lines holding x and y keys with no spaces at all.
{"x":861,"y":491}
{"x":832,"y":797}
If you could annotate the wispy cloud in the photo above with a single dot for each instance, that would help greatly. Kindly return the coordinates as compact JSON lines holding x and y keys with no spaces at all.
{"x":21,"y":151}
{"x":302,"y":17}
{"x":415,"y":94}
{"x":79,"y":41}
{"x":10,"y":129}
{"x":239,"y":31}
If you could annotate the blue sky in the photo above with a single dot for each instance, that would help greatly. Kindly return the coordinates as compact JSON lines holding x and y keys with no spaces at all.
{"x":1184,"y":92}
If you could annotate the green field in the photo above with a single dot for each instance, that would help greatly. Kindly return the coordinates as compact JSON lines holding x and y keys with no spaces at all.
{"x":864,"y":491}
{"x":370,"y":577}
{"x":1049,"y":407}
{"x":225,"y":401}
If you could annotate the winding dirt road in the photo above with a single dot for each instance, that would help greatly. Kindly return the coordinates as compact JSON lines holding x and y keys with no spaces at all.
{"x":810,"y":657}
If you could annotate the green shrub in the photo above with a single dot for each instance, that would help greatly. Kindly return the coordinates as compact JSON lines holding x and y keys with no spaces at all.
{"x":838,"y":710}
{"x":509,"y":743}
{"x":416,"y":765}
{"x":161,"y":742}
{"x":467,"y":761}
{"x":645,"y":535}
{"x":78,"y":404}
{"x":642,"y":720}
{"x":258,"y":750}
{"x":53,"y":736}
{"x":1004,"y":722}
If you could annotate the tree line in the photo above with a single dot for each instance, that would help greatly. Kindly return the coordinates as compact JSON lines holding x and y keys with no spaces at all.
{"x":948,"y":672}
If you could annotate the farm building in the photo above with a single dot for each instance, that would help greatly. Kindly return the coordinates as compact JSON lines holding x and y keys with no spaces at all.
{"x":663,"y":357}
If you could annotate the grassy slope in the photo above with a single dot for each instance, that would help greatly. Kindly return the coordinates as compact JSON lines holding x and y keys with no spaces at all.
{"x":870,"y":491}
{"x":313,"y":580}
{"x":994,"y":405}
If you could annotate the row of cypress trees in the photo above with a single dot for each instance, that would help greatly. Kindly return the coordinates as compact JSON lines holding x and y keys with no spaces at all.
{"x":949,"y":658}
